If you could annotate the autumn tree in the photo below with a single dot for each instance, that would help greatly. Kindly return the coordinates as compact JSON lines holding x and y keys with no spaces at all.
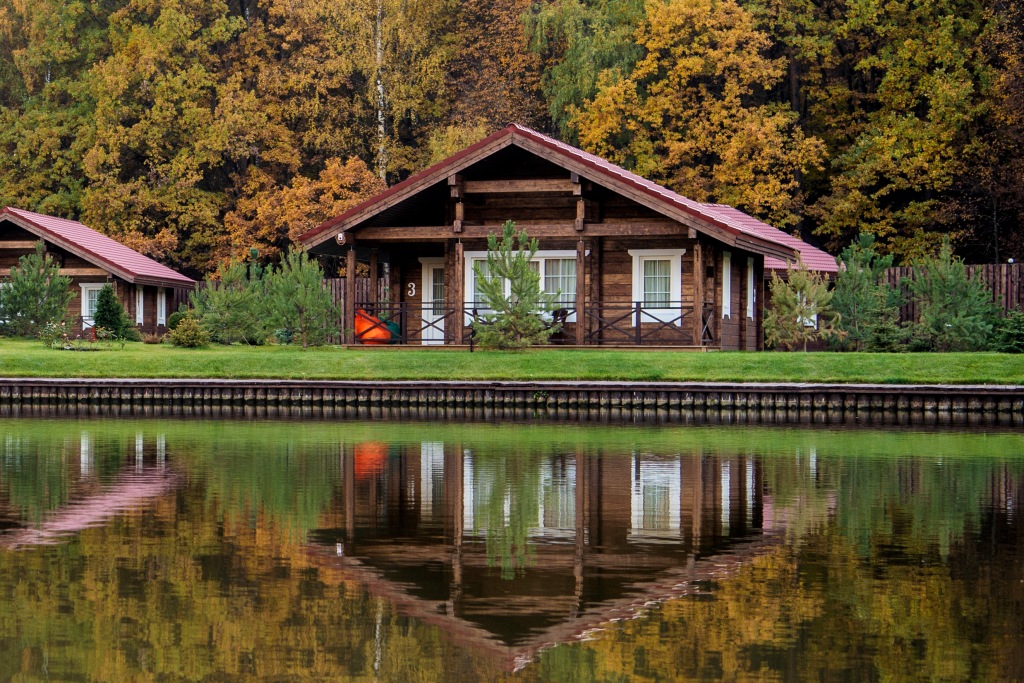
{"x":900,"y":95}
{"x":687,"y":116}
{"x":493,"y":77}
{"x":270,"y":217}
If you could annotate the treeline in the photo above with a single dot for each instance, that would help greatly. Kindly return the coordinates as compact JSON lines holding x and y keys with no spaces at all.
{"x":194,"y":131}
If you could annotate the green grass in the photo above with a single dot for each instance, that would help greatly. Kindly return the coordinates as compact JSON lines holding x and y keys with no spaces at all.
{"x":31,"y":359}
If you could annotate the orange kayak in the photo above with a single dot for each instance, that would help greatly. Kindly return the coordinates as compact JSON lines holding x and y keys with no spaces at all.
{"x":370,"y":329}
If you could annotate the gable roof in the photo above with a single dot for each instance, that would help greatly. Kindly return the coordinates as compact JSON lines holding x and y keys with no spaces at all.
{"x":93,"y":246}
{"x":815,"y":259}
{"x":664,"y":201}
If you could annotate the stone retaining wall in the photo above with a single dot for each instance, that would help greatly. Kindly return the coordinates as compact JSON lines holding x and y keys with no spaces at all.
{"x":700,"y":402}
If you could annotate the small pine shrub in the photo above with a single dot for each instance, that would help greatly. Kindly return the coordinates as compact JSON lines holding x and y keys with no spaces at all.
{"x":189,"y":334}
{"x":175,"y":318}
{"x":1009,"y":336}
{"x":110,"y":315}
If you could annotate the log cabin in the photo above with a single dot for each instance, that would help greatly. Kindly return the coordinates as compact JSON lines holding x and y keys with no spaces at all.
{"x":632,"y":263}
{"x":92,"y":260}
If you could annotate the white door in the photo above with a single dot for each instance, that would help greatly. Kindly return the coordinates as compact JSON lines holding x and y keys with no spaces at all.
{"x":433,"y":301}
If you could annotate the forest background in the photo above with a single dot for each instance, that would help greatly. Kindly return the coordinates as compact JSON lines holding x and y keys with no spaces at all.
{"x":194,"y":130}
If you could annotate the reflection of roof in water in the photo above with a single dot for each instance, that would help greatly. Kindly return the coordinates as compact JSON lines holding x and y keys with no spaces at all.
{"x":130,"y":490}
{"x":668,"y":583}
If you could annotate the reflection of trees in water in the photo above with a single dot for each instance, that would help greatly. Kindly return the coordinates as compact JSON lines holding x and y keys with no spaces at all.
{"x":506,"y":489}
{"x":918,"y":502}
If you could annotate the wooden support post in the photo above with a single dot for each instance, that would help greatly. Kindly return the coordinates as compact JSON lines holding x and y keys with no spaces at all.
{"x":759,"y":294}
{"x":744,"y":277}
{"x":348,"y":320}
{"x":595,"y":299}
{"x":698,"y":295}
{"x":581,"y":213}
{"x":581,"y":291}
{"x":460,"y":216}
{"x":374,"y":280}
{"x":458,"y":295}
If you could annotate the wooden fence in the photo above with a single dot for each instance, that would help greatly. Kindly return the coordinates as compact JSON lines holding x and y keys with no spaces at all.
{"x":1005,"y":280}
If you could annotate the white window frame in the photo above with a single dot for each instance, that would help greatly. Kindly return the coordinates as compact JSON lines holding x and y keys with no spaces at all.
{"x":675,"y":258}
{"x":751,"y":290}
{"x":140,"y":298}
{"x":87,"y":319}
{"x":161,"y":305}
{"x":726,"y":284}
{"x":472,"y":257}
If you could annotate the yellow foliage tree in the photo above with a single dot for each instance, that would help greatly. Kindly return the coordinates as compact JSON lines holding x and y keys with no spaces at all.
{"x":269,"y":217}
{"x":687,"y":114}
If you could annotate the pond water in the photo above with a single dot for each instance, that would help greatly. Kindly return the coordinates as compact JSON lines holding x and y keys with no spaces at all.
{"x":292,"y":551}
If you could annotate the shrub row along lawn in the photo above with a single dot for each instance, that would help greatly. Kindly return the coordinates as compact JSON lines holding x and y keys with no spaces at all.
{"x":32,"y":359}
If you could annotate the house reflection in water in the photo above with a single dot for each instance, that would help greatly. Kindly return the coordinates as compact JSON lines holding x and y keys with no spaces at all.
{"x":516,"y":551}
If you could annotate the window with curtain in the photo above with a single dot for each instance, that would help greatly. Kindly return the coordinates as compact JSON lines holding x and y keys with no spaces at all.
{"x":657,"y":282}
{"x":560,"y":278}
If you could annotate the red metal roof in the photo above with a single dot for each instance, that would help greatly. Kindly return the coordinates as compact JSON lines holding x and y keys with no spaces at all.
{"x":814,"y":258}
{"x":602,"y":168}
{"x":96,"y":247}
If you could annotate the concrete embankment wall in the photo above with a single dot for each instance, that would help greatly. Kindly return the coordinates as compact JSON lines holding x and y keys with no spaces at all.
{"x":671,"y":401}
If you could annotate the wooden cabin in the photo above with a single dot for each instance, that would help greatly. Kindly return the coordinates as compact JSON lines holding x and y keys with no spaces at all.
{"x":92,"y":260}
{"x":632,"y":262}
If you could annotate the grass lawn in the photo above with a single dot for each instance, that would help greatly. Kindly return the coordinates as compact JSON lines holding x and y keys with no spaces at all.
{"x":31,"y":359}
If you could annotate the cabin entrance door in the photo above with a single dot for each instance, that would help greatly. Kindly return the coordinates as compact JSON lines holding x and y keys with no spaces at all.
{"x":432,"y":331}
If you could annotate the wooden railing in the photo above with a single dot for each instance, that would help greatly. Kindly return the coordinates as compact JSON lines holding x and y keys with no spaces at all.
{"x":638,"y":324}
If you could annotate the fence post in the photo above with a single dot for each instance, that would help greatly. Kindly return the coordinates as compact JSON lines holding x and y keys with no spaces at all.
{"x":637,"y":315}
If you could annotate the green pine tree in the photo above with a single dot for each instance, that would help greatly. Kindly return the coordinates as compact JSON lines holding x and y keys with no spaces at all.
{"x":110,"y":315}
{"x":867,"y":305}
{"x":35,"y":295}
{"x":515,"y":319}
{"x":955,"y":311}
{"x":801,"y":310}
{"x":299,"y":302}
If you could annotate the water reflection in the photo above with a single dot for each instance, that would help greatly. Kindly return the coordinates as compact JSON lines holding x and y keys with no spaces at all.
{"x":520,"y":548}
{"x":213,"y":550}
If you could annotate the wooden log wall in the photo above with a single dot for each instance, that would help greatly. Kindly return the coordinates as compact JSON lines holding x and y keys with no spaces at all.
{"x":1005,"y":280}
{"x":715,"y":403}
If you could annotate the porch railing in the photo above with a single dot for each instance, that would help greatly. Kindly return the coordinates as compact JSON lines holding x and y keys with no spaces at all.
{"x":638,"y":324}
{"x":626,"y":324}
{"x":415,"y":323}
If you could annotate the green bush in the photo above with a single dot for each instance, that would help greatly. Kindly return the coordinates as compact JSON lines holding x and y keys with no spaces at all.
{"x":232,"y":306}
{"x":1009,"y":335}
{"x":189,"y":334}
{"x":174,"y":318}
